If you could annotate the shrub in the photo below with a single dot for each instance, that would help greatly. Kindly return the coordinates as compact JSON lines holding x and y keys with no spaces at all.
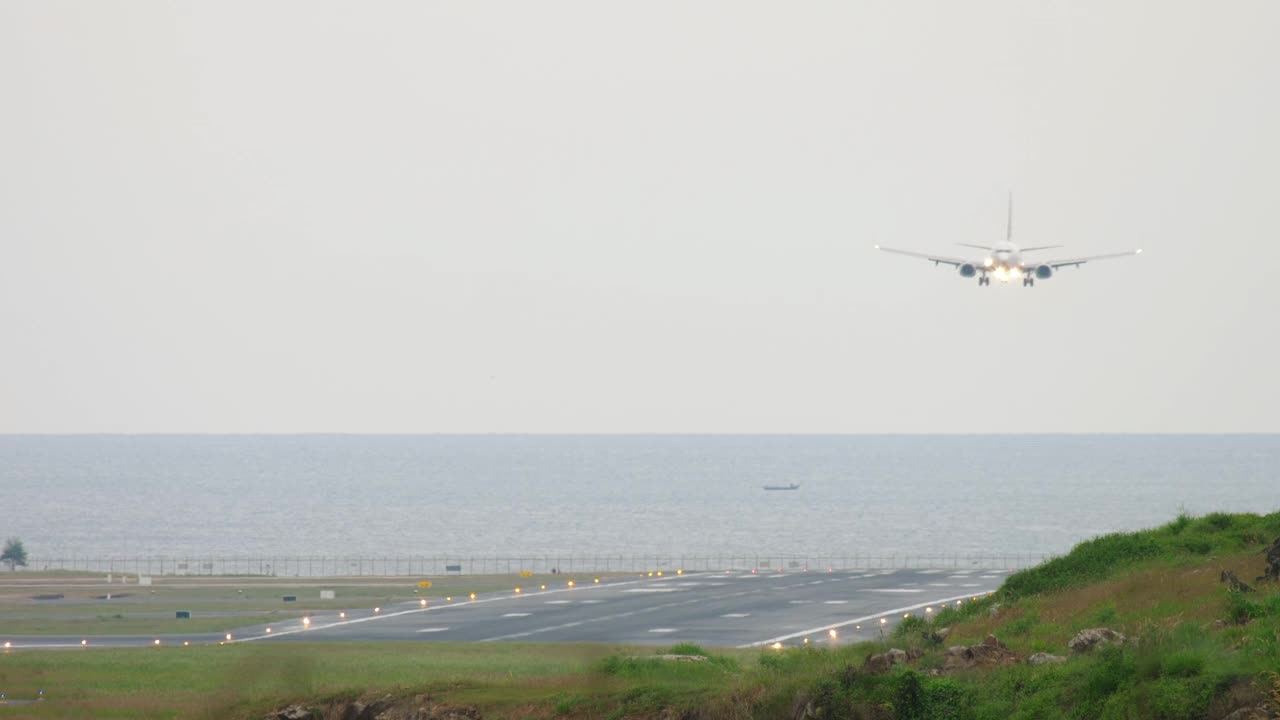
{"x":687,"y":648}
{"x":908,"y":696}
{"x":1219,"y":521}
{"x":1199,"y":546}
{"x":910,"y":625}
{"x":1186,"y":663}
{"x":1240,"y":609}
{"x":1179,"y":524}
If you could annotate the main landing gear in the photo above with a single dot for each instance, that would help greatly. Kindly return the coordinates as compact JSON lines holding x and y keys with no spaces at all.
{"x":984,"y":280}
{"x":1028,"y":281}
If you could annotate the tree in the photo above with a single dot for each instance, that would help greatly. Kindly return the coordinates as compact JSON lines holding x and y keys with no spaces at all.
{"x":14,"y":554}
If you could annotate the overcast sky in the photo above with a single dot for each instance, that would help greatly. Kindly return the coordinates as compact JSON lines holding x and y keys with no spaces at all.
{"x":635,"y":217}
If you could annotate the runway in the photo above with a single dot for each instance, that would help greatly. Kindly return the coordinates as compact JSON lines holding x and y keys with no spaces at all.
{"x":736,"y":609}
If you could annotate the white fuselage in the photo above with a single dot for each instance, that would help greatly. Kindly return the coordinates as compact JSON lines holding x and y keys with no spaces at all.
{"x":1004,"y":260}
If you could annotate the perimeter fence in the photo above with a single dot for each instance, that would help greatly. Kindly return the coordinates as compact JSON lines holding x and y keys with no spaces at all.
{"x":406,"y":565}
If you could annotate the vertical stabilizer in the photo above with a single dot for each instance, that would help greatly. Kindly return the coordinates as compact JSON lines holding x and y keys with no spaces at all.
{"x":1008,"y":233}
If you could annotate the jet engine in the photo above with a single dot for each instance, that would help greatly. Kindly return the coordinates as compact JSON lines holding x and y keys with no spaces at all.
{"x":968,"y":270}
{"x":1044,"y":272}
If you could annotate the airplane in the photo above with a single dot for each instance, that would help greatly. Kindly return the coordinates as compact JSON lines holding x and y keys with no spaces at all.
{"x":1004,"y":260}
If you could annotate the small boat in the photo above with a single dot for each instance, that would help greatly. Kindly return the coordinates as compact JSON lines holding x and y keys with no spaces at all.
{"x":792,"y":486}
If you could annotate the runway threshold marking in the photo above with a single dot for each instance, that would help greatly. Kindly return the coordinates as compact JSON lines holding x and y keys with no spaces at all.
{"x":834,"y":626}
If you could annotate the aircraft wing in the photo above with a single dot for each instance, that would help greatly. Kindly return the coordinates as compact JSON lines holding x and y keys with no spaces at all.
{"x":935,"y":259}
{"x":1077,"y":262}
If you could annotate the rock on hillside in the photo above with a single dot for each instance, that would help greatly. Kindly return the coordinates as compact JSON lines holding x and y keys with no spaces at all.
{"x":1092,"y":638}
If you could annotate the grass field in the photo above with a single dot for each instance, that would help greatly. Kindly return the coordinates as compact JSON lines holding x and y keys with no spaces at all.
{"x":216,"y":604}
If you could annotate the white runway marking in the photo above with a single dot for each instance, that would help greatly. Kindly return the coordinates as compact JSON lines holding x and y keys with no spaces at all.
{"x":558,"y":602}
{"x":799,"y":602}
{"x":896,"y":590}
{"x":931,"y":572}
{"x":736,"y":615}
{"x":988,"y":577}
{"x":957,"y":577}
{"x":517,"y":615}
{"x":663,"y":630}
{"x":431,"y":630}
{"x":835,"y":602}
{"x":824,"y":628}
{"x":592,"y":602}
{"x":653,"y":590}
{"x":939,"y":584}
{"x":970,"y":584}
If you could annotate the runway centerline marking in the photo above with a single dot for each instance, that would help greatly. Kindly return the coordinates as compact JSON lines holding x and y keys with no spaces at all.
{"x":517,"y":615}
{"x":433,"y":630}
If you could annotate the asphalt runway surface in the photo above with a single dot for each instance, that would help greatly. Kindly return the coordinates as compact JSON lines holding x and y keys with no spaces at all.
{"x":736,"y":609}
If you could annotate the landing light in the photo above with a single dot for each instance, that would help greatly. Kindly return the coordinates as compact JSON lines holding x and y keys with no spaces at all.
{"x":986,"y":262}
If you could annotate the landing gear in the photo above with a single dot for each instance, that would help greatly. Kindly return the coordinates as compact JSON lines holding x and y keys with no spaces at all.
{"x":983,"y":280}
{"x":1028,"y":281}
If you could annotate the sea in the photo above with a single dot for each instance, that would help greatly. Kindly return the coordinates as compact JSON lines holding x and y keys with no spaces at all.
{"x":503,"y":495}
